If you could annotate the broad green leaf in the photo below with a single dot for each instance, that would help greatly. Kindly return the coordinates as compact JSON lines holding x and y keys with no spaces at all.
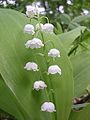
{"x":8,"y":102}
{"x":73,"y":25}
{"x":65,"y":18}
{"x":77,"y":20}
{"x":58,"y":29}
{"x":14,"y":56}
{"x":83,"y":114}
{"x":68,"y":37}
{"x":81,"y":67}
{"x":81,"y":18}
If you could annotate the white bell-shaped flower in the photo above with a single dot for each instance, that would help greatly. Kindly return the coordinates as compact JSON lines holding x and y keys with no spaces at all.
{"x":48,"y":107}
{"x":54,"y":53}
{"x":34,"y":43}
{"x":11,"y":2}
{"x":31,"y":66}
{"x":39,"y":26}
{"x":28,"y":28}
{"x":4,"y":4}
{"x":54,"y":69}
{"x":30,"y":10}
{"x":39,"y":85}
{"x":48,"y":28}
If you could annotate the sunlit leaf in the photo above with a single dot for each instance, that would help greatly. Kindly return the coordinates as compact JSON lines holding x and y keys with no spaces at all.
{"x":81,"y":66}
{"x":68,"y":37}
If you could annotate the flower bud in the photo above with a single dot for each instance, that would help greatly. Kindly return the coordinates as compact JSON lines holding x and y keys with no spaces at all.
{"x":30,"y":10}
{"x":29,"y":29}
{"x":54,"y":69}
{"x":54,"y":53}
{"x":34,"y":43}
{"x":48,"y":28}
{"x":11,"y":2}
{"x":48,"y":107}
{"x":39,"y":85}
{"x":31,"y":66}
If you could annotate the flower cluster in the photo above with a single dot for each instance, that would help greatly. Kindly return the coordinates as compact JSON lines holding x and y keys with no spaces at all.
{"x":44,"y":28}
{"x":34,"y":43}
{"x":31,"y":11}
{"x":37,"y":43}
{"x":11,"y":2}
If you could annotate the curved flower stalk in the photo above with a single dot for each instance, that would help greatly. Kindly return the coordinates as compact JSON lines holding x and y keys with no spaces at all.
{"x":39,"y":26}
{"x":34,"y":43}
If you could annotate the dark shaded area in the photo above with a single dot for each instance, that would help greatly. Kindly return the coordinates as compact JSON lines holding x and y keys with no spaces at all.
{"x":5,"y":116}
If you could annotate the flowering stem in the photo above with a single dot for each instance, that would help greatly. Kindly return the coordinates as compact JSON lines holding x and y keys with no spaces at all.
{"x":43,"y":39}
{"x":45,"y":18}
{"x":50,"y":42}
{"x":47,"y":95}
{"x":40,"y":29}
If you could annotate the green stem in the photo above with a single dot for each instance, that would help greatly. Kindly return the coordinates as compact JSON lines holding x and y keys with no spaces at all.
{"x":47,"y":95}
{"x":45,"y":18}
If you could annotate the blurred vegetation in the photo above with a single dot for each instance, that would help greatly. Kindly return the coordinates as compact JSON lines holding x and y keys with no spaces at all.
{"x":5,"y":116}
{"x":61,"y":11}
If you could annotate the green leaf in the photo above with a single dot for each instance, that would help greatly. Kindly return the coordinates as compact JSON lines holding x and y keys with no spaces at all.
{"x":65,"y":18}
{"x":88,"y":88}
{"x":77,"y":20}
{"x":14,"y":56}
{"x":81,"y":67}
{"x":73,"y":25}
{"x":81,"y":18}
{"x":68,"y":37}
{"x":58,"y":29}
{"x":84,"y":114}
{"x":8,"y":102}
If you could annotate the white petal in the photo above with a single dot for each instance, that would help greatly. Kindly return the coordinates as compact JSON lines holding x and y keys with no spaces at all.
{"x":54,"y":53}
{"x":48,"y":107}
{"x":48,"y":28}
{"x":28,"y":28}
{"x":30,"y":11}
{"x":31,"y":66}
{"x":34,"y":43}
{"x":39,"y":85}
{"x":39,"y":26}
{"x":12,"y":2}
{"x":54,"y":69}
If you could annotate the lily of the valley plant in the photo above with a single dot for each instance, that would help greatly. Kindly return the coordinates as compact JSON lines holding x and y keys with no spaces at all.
{"x":36,"y":43}
{"x":44,"y":73}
